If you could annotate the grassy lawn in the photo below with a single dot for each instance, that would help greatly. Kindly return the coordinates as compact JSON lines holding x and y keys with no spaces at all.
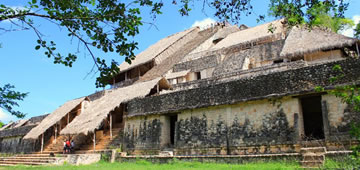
{"x":172,"y":166}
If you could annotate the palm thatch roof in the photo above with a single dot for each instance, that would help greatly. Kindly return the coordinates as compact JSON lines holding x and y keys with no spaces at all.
{"x":6,"y":126}
{"x":53,"y":118}
{"x":302,"y":40}
{"x":158,"y":51}
{"x":20,"y":123}
{"x":177,"y":74}
{"x":94,"y":114}
{"x":220,"y":34}
{"x":251,"y":34}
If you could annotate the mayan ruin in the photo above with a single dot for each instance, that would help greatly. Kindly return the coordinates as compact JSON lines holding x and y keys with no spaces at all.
{"x":223,"y":90}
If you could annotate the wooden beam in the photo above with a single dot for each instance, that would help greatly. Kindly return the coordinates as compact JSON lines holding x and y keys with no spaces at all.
{"x":357,"y":49}
{"x":68,"y":118}
{"x":139,"y":72}
{"x":94,"y":140}
{"x":42,"y":143}
{"x":110,"y":126}
{"x":55,"y":131}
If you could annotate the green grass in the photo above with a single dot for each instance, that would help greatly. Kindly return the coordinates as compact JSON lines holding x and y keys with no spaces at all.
{"x":177,"y":165}
{"x":343,"y":163}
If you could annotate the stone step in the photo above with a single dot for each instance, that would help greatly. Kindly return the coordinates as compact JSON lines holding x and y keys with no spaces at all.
{"x":41,"y":160}
{"x":313,"y":157}
{"x":313,"y":143}
{"x":6,"y":165}
{"x":22,"y":163}
{"x":313,"y":150}
{"x":312,"y":164}
{"x":44,"y":154}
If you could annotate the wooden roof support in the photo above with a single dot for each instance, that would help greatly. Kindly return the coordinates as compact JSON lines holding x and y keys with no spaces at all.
{"x":55,"y":130}
{"x":42,"y":143}
{"x":94,"y":140}
{"x":111,"y":135}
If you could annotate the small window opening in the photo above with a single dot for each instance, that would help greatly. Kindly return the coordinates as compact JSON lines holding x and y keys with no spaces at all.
{"x":278,"y":61}
{"x":217,"y":40}
{"x":198,"y":75}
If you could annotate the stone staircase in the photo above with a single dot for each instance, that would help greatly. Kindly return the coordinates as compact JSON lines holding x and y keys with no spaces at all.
{"x":101,"y":143}
{"x":29,"y":159}
{"x":55,"y":147}
{"x":313,"y":157}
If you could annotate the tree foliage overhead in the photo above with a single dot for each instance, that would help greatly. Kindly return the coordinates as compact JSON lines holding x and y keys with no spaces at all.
{"x":9,"y":98}
{"x":109,"y":25}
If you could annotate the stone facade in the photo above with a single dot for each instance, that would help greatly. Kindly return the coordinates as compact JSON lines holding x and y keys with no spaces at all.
{"x":11,"y":140}
{"x":254,"y":115}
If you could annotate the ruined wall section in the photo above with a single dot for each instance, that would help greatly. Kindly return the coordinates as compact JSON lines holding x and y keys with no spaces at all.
{"x":198,"y":64}
{"x":259,"y":54}
{"x":233,"y":129}
{"x":11,"y":140}
{"x":340,"y":117}
{"x":143,"y":134}
{"x":290,"y":82}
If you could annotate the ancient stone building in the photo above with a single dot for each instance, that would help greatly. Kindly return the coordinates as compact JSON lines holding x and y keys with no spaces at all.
{"x":11,"y":136}
{"x":221,"y":90}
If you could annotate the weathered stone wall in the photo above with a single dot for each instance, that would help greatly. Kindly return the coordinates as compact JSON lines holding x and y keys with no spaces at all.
{"x":198,"y":64}
{"x":11,"y":140}
{"x":340,"y":117}
{"x":260,"y":53}
{"x":229,"y":129}
{"x":143,"y":134}
{"x":277,"y":84}
{"x":16,"y":144}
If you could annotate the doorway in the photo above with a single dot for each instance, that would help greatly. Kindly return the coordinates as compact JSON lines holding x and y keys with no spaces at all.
{"x":173,"y":120}
{"x":313,"y":118}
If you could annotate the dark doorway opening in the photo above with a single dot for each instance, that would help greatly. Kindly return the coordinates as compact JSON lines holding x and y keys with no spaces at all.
{"x":313,"y":118}
{"x":173,"y":120}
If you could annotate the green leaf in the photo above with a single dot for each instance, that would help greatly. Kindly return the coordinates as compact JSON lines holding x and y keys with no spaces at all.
{"x":37,"y":47}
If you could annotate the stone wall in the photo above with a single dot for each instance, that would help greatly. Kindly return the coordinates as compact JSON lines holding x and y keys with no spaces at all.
{"x":230,"y":129}
{"x":11,"y":140}
{"x":277,"y":84}
{"x":253,"y":115}
{"x":340,"y":117}
{"x":246,"y":128}
{"x":143,"y":134}
{"x":198,"y":64}
{"x":260,"y":53}
{"x":18,"y":145}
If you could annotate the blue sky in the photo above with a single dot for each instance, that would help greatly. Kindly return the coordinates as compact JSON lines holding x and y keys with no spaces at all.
{"x":51,"y":85}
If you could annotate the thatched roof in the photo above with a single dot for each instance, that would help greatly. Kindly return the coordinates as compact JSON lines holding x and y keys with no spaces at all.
{"x":20,"y":123}
{"x":252,"y":34}
{"x":53,"y":118}
{"x":6,"y":126}
{"x":177,"y":74}
{"x":302,"y":40}
{"x":92,"y":117}
{"x":209,"y":43}
{"x":154,"y":51}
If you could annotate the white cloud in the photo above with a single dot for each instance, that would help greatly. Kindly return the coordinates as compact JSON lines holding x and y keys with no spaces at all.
{"x":350,"y":31}
{"x":6,"y":117}
{"x":205,"y":23}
